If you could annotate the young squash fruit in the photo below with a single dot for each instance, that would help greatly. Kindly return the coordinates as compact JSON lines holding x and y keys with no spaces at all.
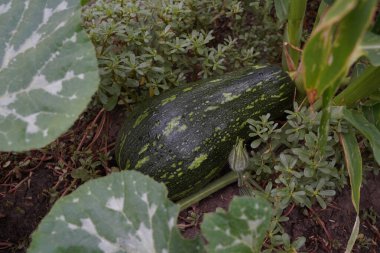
{"x":183,"y":138}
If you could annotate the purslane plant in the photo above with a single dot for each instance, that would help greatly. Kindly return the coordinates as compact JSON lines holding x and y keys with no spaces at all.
{"x":302,"y":174}
{"x":145,"y":47}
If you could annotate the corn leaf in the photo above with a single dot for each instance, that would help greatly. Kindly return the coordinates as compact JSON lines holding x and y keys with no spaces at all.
{"x":366,"y":128}
{"x":353,"y":236}
{"x":368,"y":83}
{"x":293,"y":31}
{"x":358,"y":69}
{"x":323,"y":7}
{"x":371,"y":47}
{"x":353,"y":160}
{"x":372,"y":113}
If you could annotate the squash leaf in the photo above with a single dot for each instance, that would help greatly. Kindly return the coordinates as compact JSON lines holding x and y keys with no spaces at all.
{"x":48,"y":71}
{"x":122,"y":212}
{"x":241,"y":229}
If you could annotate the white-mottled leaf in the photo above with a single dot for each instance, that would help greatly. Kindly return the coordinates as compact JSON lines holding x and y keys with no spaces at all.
{"x":242,"y":229}
{"x":122,"y":212}
{"x":48,"y":71}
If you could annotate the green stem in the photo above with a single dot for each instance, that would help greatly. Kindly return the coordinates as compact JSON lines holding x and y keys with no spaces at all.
{"x":208,"y":190}
{"x":293,"y":31}
{"x":255,"y":184}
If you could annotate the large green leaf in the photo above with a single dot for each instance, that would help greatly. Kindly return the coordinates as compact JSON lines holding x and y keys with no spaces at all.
{"x":366,"y":128}
{"x":242,"y":229}
{"x":334,"y":45}
{"x":122,"y":212}
{"x":48,"y":71}
{"x":371,"y":47}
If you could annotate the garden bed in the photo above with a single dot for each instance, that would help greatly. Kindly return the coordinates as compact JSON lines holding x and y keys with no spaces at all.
{"x":326,"y":230}
{"x":30,"y":191}
{"x":31,"y":182}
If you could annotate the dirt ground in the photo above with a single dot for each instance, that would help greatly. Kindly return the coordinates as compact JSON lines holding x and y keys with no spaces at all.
{"x":22,"y":210}
{"x":326,"y":230}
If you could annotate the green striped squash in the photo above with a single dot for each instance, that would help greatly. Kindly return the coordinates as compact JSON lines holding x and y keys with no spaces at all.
{"x":183,"y":137}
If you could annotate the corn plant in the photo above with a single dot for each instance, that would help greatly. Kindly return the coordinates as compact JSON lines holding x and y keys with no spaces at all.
{"x":340,"y":40}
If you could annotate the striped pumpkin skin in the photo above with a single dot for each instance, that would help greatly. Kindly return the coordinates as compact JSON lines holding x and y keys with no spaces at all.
{"x":183,"y":137}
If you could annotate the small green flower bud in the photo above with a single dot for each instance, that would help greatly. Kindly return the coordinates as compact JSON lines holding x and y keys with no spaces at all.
{"x":238,"y":158}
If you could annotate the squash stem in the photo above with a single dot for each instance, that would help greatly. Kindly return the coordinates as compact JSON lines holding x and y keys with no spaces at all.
{"x":208,"y":190}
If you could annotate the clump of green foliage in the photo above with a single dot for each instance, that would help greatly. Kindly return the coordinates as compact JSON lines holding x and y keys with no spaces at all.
{"x":292,"y":169}
{"x":146,"y":46}
{"x":290,"y":161}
